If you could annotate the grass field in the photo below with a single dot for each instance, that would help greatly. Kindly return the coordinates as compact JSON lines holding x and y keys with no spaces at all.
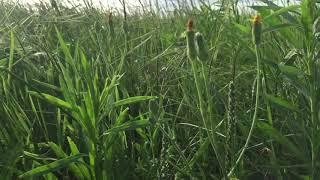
{"x":194,"y":93}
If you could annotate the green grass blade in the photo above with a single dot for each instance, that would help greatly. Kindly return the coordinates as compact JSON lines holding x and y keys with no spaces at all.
{"x":132,"y":100}
{"x":282,"y":10}
{"x":281,"y":102}
{"x":307,"y":10}
{"x":51,"y":167}
{"x":53,"y":100}
{"x":128,"y":126}
{"x":10,"y":65}
{"x":280,"y":138}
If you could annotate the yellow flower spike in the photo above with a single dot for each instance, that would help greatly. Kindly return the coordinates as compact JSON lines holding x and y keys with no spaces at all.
{"x":256,"y":29}
{"x":191,"y":46}
{"x":190,"y":25}
{"x":256,"y":19}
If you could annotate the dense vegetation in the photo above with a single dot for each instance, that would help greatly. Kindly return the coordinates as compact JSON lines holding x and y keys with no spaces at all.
{"x":86,"y":94}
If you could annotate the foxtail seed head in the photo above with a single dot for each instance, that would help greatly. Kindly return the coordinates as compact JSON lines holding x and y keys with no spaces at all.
{"x":191,"y":47}
{"x":202,"y":48}
{"x":256,"y":29}
{"x":110,"y":17}
{"x":189,"y":25}
{"x":110,"y":22}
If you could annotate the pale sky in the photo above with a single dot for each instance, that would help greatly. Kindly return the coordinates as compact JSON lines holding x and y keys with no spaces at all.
{"x":105,"y":3}
{"x":110,"y":4}
{"x":97,"y":2}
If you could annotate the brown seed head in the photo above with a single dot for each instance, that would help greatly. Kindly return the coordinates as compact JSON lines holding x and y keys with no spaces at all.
{"x":256,"y":29}
{"x":110,"y":16}
{"x":256,"y":19}
{"x":190,"y":25}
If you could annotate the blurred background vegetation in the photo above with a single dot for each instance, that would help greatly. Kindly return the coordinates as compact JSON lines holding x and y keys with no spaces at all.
{"x":111,"y":92}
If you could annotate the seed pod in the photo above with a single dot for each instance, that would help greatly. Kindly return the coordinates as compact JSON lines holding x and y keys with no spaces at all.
{"x":256,"y":29}
{"x":202,"y":48}
{"x":191,"y":47}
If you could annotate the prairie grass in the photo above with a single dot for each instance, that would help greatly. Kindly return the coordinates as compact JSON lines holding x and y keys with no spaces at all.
{"x":89,"y":93}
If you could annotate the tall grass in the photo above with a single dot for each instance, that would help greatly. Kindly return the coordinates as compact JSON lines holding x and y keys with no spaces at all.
{"x":89,"y":93}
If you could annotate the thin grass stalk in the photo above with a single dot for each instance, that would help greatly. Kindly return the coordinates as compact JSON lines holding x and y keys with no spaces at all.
{"x":314,"y":118}
{"x":270,"y":119}
{"x":205,"y":116}
{"x":111,"y":25}
{"x":307,"y":19}
{"x":10,"y":64}
{"x":256,"y":35}
{"x":255,"y":114}
{"x":231,"y":124}
{"x":230,"y":128}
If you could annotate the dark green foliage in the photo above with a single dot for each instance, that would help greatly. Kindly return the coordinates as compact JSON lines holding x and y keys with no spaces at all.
{"x":87,"y":95}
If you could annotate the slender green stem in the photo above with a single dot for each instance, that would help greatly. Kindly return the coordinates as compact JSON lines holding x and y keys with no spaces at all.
{"x":254,"y":119}
{"x":270,"y":119}
{"x":313,"y":135}
{"x":204,"y":116}
{"x":313,"y":112}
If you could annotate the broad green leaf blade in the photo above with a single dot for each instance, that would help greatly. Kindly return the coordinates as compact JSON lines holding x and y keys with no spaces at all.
{"x":3,"y":62}
{"x":108,"y":87}
{"x":296,"y":77}
{"x":73,"y":146}
{"x":243,"y":28}
{"x":132,"y":100}
{"x":112,"y":137}
{"x":273,"y":6}
{"x":11,"y":56}
{"x":49,"y":86}
{"x":203,"y":149}
{"x":51,"y":167}
{"x":307,"y":10}
{"x":299,"y":85}
{"x":74,"y":150}
{"x":280,"y":26}
{"x":128,"y":126}
{"x":51,"y":99}
{"x":48,"y":176}
{"x":282,"y":10}
{"x":65,"y":49}
{"x":36,"y":156}
{"x":280,"y":138}
{"x":143,"y":42}
{"x":122,"y":116}
{"x":61,"y":154}
{"x":290,"y":70}
{"x":281,"y":102}
{"x":57,"y":150}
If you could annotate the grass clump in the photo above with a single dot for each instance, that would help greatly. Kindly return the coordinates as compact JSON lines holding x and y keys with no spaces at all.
{"x":93,"y":93}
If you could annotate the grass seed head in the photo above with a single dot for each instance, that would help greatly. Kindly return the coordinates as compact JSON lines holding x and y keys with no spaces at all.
{"x":190,"y":25}
{"x":256,"y":29}
{"x":110,"y":17}
{"x":202,"y":48}
{"x":230,"y":127}
{"x":190,"y":35}
{"x":110,"y":22}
